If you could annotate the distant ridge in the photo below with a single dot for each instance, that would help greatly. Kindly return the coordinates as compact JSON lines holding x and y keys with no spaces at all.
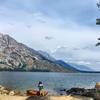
{"x":65,"y":65}
{"x":58,"y":62}
{"x":81,"y":67}
{"x":70,"y":66}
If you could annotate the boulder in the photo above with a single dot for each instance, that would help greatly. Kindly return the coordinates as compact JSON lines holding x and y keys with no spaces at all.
{"x":76,"y":91}
{"x":97,"y":86}
{"x":81,"y":92}
{"x":11,"y":93}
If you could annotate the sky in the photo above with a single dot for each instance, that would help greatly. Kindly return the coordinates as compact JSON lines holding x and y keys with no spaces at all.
{"x":64,"y":28}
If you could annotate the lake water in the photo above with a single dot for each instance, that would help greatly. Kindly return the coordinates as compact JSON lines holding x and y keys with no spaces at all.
{"x":52,"y":81}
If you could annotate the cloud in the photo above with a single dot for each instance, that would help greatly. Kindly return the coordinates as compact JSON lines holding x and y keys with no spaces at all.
{"x":28,"y":26}
{"x":48,"y":38}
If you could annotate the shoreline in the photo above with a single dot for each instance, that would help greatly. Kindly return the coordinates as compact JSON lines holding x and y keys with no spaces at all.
{"x":7,"y":97}
{"x":86,"y":72}
{"x":9,"y":94}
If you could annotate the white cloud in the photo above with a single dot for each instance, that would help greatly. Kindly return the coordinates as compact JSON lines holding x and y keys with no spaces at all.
{"x":83,"y":63}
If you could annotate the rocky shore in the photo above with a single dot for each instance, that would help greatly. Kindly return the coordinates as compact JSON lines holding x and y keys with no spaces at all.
{"x":8,"y":94}
{"x":93,"y":92}
{"x":71,"y":94}
{"x":6,"y":91}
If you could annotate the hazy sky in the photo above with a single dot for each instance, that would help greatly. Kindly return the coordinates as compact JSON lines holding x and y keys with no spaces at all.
{"x":65,"y":28}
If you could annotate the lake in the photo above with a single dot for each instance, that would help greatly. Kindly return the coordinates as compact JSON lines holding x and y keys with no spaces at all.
{"x":52,"y":81}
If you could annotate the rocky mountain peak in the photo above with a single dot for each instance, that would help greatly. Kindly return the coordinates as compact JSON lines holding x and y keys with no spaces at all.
{"x":16,"y":56}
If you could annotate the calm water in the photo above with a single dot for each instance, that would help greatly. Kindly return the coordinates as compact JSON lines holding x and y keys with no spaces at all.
{"x":52,"y":81}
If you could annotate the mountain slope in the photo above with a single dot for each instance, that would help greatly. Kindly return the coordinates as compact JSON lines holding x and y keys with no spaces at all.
{"x":59,"y":62}
{"x":16,"y":56}
{"x":65,"y":65}
{"x":81,"y":67}
{"x":70,"y":66}
{"x":46,"y":55}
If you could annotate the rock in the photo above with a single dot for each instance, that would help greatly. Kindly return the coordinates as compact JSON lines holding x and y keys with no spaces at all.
{"x":97,"y":96}
{"x":81,"y":92}
{"x":18,"y":93}
{"x":11,"y":93}
{"x":5,"y":91}
{"x":76,"y":91}
{"x":2,"y":88}
{"x":97,"y":86}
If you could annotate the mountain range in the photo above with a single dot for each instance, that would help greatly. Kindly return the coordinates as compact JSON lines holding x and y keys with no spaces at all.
{"x":15,"y":56}
{"x":70,"y":66}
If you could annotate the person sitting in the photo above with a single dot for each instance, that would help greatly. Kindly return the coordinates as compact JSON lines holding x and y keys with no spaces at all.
{"x":40,"y":87}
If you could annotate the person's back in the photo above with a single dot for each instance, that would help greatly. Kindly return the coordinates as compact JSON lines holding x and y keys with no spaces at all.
{"x":40,"y":85}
